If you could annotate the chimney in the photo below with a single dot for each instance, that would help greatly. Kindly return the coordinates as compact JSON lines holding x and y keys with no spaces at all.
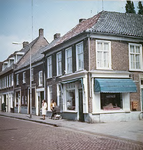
{"x":56,"y":36}
{"x":82,"y":19}
{"x":25,"y":43}
{"x":41,"y":32}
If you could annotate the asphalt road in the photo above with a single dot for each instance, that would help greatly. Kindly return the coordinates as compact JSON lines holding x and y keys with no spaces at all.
{"x":23,"y":135}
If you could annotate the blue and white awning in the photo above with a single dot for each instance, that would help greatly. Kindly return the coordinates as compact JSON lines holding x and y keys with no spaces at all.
{"x":114,"y":85}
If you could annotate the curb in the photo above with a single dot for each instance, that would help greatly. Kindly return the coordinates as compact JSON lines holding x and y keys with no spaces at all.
{"x":28,"y":119}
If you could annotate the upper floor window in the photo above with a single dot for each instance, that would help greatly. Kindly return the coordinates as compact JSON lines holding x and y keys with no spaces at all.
{"x":17,"y":79}
{"x":79,"y":56}
{"x":103,"y":54}
{"x":68,"y":60}
{"x":40,"y":78}
{"x":59,"y":63}
{"x":24,"y":77}
{"x":135,"y":56}
{"x":49,"y":67}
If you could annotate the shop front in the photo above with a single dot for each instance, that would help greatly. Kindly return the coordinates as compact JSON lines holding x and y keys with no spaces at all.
{"x":74,"y":99}
{"x":111,"y":99}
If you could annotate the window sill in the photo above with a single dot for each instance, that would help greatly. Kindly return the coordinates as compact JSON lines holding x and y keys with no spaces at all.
{"x":69,"y":111}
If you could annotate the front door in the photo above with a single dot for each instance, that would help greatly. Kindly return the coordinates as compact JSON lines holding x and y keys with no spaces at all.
{"x":81,"y":115}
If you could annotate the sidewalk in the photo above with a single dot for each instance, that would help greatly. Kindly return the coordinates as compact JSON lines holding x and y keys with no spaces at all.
{"x":132,"y":130}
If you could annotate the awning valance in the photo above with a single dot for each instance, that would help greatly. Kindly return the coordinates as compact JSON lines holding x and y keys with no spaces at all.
{"x":114,"y":85}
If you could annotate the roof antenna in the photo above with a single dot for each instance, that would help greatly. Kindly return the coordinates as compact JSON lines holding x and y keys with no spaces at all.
{"x":102,"y":6}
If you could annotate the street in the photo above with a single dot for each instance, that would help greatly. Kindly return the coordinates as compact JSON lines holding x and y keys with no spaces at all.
{"x":24,"y":135}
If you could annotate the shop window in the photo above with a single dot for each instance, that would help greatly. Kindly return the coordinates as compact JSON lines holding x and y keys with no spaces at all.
{"x":111,"y":101}
{"x":70,"y":96}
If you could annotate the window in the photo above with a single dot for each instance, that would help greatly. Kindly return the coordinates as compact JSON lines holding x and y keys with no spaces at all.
{"x":10,"y":80}
{"x":40,"y":78}
{"x":59,"y":95}
{"x":7,"y":81}
{"x":103,"y":54}
{"x":59,"y":64}
{"x":79,"y":54}
{"x":68,"y":60}
{"x":111,"y":101}
{"x":49,"y":96}
{"x":70,"y":96}
{"x":17,"y":79}
{"x":49,"y":67}
{"x":135,"y":56}
{"x":24,"y":77}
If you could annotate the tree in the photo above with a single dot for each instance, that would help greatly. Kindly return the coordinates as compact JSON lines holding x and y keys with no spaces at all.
{"x":140,"y":7}
{"x":130,"y":7}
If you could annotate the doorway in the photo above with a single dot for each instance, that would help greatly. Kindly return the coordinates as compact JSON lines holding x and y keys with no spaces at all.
{"x":81,"y":115}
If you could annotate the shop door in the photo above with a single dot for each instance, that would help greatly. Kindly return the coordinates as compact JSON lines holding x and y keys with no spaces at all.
{"x":81,"y":115}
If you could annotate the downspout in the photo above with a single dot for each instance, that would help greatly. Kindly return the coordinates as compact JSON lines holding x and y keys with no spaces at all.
{"x":89,"y":65}
{"x":44,"y":70}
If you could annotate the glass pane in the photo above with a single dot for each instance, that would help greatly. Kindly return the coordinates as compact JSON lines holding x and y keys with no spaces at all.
{"x":99,"y":46}
{"x":70,"y":99}
{"x":137,"y":49}
{"x":99,"y":59}
{"x":106,"y":46}
{"x":131,"y":48}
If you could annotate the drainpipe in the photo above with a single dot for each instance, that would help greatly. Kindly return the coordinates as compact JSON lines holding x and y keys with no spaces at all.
{"x":89,"y":66}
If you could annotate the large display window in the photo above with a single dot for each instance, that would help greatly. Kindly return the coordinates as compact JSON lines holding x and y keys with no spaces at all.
{"x":111,"y":101}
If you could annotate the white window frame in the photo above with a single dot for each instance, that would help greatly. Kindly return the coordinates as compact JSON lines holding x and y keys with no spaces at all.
{"x":141,"y":59}
{"x":79,"y":45}
{"x":59,"y":63}
{"x":49,"y":67}
{"x":24,"y":77}
{"x":49,"y":88}
{"x":102,"y":55}
{"x":17,"y":79}
{"x":66,"y":60}
{"x":40,"y":78}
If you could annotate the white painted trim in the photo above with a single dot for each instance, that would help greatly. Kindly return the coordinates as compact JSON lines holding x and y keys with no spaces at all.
{"x":103,"y":41}
{"x":141,"y":59}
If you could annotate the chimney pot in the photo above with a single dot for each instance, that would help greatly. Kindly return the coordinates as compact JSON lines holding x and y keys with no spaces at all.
{"x":82,"y":19}
{"x":25,"y":43}
{"x":57,"y":35}
{"x":41,"y":32}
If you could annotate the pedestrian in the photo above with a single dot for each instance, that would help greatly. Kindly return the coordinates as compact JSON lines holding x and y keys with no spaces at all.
{"x":52,"y":106}
{"x":44,"y":109}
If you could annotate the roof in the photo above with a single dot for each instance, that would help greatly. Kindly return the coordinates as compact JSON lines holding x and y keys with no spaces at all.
{"x":36,"y":54}
{"x":125,"y":24}
{"x":120,"y":23}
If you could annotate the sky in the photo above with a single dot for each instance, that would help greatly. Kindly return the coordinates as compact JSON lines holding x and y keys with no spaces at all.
{"x":20,"y":20}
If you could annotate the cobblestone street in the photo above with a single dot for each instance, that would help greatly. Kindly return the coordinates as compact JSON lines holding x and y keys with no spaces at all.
{"x":23,"y":135}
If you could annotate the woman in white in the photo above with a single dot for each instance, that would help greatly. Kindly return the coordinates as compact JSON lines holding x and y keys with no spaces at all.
{"x":44,"y":109}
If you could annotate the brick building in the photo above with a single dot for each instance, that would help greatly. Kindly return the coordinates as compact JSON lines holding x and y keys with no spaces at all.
{"x":94,"y":72}
{"x":15,"y":78}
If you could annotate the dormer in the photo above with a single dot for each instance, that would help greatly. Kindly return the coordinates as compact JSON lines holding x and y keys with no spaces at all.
{"x":10,"y":61}
{"x":18,"y":56}
{"x":5,"y":64}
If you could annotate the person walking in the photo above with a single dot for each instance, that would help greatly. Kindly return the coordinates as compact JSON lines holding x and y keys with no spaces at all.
{"x":44,"y":109}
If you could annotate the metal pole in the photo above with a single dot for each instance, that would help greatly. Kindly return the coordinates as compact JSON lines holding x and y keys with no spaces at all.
{"x":30,"y":102}
{"x":30,"y":88}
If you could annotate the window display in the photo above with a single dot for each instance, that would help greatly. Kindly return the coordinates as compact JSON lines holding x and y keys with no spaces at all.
{"x":111,"y":101}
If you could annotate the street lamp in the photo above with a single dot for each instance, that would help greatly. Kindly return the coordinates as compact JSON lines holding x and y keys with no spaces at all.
{"x":30,"y":100}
